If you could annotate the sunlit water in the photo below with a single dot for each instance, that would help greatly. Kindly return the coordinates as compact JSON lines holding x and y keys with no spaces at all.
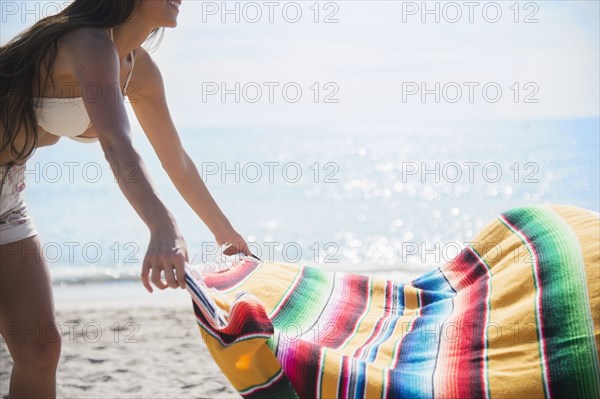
{"x":393,"y":203}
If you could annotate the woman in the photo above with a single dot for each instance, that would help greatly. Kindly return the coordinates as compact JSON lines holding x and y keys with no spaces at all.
{"x":91,"y":43}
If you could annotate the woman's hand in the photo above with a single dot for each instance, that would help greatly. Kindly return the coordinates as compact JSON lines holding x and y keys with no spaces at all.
{"x":167,"y":253}
{"x":238,"y":244}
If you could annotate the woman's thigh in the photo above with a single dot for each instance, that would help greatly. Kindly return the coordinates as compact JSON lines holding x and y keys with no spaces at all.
{"x":26,"y":304}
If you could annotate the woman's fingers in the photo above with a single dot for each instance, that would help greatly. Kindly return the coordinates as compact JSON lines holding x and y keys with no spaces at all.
{"x":180,"y":270}
{"x":246,"y":250}
{"x":236,"y":248}
{"x":243,"y":248}
{"x":173,"y":270}
{"x":170,"y":276}
{"x":156,"y":269}
{"x":145,"y":271}
{"x":167,"y":253}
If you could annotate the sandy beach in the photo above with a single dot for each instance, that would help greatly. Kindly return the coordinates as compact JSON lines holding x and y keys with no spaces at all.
{"x":133,"y":345}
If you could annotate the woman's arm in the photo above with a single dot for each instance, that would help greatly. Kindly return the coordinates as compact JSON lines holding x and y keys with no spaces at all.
{"x":96,"y":68}
{"x":150,"y":106}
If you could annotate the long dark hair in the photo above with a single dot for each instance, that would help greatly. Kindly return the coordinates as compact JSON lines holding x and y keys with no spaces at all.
{"x":22,"y":57}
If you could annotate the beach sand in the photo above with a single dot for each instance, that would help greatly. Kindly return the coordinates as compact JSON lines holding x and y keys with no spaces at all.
{"x":137,"y":345}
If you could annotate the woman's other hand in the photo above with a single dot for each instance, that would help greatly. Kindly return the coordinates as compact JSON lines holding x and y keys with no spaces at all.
{"x":167,"y":254}
{"x":236,"y":241}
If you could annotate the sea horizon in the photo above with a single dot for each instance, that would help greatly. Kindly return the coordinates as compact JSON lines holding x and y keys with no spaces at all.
{"x":345,"y":199}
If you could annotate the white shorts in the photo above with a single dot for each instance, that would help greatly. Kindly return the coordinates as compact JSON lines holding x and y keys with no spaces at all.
{"x":15,"y":222}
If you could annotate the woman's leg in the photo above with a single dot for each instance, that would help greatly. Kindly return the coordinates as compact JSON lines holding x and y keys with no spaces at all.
{"x":27,"y":320}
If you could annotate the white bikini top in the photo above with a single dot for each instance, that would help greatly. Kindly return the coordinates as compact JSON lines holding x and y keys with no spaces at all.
{"x":67,"y":116}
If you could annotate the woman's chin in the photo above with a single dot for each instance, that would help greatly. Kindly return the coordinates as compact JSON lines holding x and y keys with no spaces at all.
{"x":170,"y":24}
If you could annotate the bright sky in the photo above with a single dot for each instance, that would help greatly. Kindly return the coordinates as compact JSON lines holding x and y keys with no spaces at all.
{"x":377,"y":58}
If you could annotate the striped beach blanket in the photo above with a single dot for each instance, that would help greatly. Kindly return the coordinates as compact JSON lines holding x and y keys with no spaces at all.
{"x":515,"y":314}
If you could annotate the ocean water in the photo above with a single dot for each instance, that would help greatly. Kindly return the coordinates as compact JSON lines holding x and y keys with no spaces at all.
{"x":394,"y":202}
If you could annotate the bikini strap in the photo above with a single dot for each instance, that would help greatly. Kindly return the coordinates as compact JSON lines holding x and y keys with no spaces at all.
{"x":130,"y":72}
{"x":132,"y":64}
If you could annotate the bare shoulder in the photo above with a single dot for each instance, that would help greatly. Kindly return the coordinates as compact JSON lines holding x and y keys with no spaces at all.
{"x":89,"y":46}
{"x":146,"y":74}
{"x":87,"y":36}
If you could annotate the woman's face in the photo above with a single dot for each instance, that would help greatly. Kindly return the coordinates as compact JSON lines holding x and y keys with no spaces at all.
{"x":158,"y":13}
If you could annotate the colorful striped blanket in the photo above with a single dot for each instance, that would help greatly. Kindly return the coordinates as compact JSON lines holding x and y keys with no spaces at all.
{"x":515,"y":314}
